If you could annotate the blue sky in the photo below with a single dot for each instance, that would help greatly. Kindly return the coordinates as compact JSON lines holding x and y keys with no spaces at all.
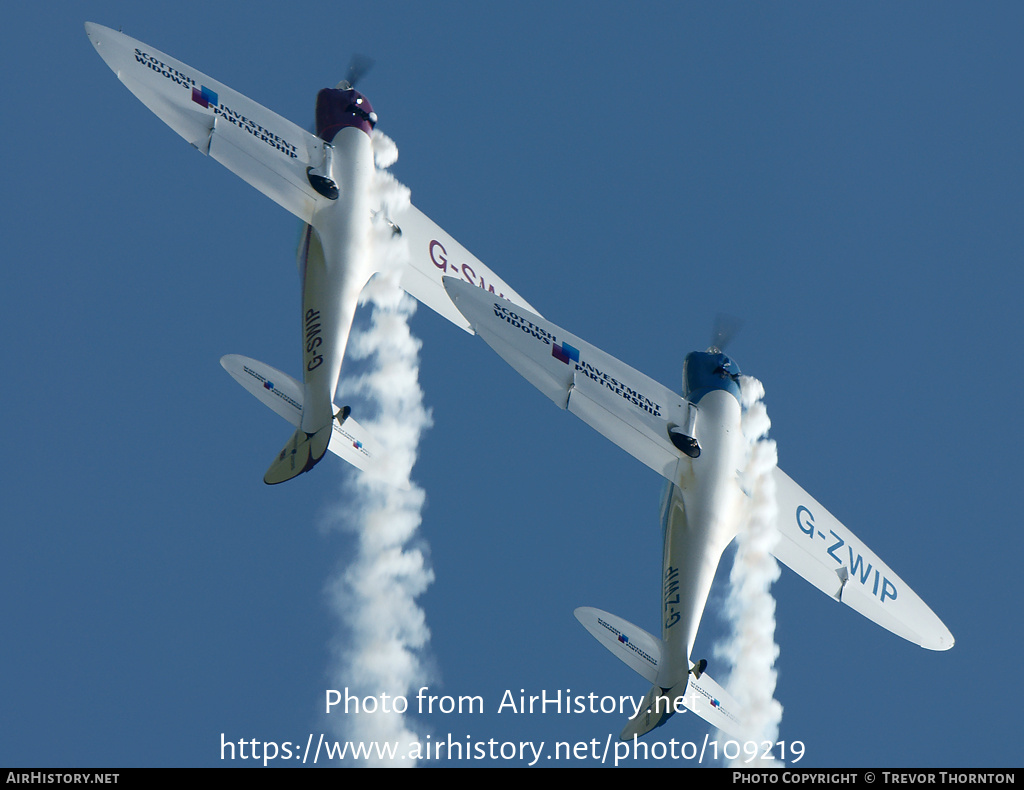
{"x":845,"y":178}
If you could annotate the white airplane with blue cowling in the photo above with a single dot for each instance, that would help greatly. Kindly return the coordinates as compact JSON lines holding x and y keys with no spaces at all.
{"x":695,"y":442}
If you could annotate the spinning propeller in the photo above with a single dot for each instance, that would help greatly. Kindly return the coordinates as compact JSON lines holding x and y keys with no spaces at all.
{"x":725,"y":329}
{"x":358,"y":67}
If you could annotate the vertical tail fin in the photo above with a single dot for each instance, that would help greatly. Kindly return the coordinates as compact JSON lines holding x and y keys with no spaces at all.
{"x":657,"y":708}
{"x":300,"y":455}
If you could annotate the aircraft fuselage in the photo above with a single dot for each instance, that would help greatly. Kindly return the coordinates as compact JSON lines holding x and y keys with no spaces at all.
{"x":335,"y":265}
{"x":700,"y":517}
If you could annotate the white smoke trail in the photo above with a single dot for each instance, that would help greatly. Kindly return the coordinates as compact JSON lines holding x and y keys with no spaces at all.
{"x":750,"y":606}
{"x":385,"y":635}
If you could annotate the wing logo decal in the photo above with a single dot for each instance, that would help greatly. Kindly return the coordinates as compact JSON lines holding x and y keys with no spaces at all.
{"x":273,"y":140}
{"x":208,"y":99}
{"x":164,"y":70}
{"x":566,"y":353}
{"x":563,"y":352}
{"x":530,"y":328}
{"x":624,"y":391}
{"x":204,"y":98}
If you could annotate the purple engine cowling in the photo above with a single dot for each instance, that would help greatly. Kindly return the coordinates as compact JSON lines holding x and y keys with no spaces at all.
{"x":337,"y":108}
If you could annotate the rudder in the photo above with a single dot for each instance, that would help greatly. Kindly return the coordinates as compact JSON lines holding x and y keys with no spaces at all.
{"x":300,"y":454}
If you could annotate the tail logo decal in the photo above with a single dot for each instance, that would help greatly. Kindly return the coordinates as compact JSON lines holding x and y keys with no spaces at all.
{"x":622,"y":638}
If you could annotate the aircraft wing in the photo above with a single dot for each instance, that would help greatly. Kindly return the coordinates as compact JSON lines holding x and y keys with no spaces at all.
{"x":823,"y":551}
{"x":271,"y":153}
{"x":261,"y":147}
{"x":633,"y":411}
{"x":434,"y":255}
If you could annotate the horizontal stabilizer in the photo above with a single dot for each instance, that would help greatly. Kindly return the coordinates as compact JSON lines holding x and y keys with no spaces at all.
{"x":632,"y":645}
{"x":283,"y":394}
{"x":713,"y":704}
{"x":641,"y":652}
{"x":702,"y":696}
{"x":814,"y":544}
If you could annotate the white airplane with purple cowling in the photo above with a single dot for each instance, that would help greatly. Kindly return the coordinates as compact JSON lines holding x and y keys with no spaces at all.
{"x":324,"y":180}
{"x":693,"y":440}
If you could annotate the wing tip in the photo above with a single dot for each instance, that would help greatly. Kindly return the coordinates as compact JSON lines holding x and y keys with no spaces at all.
{"x":941,"y":642}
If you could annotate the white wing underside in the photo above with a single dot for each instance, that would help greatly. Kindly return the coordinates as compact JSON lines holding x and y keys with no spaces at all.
{"x":629,"y":408}
{"x":272,"y":154}
{"x":817,"y":546}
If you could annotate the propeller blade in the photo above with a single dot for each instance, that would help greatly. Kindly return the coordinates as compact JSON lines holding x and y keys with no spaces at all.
{"x":725,"y":329}
{"x":358,"y":67}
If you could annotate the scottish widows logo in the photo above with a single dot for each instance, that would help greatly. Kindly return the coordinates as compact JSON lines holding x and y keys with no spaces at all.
{"x":204,"y":97}
{"x":563,"y":352}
